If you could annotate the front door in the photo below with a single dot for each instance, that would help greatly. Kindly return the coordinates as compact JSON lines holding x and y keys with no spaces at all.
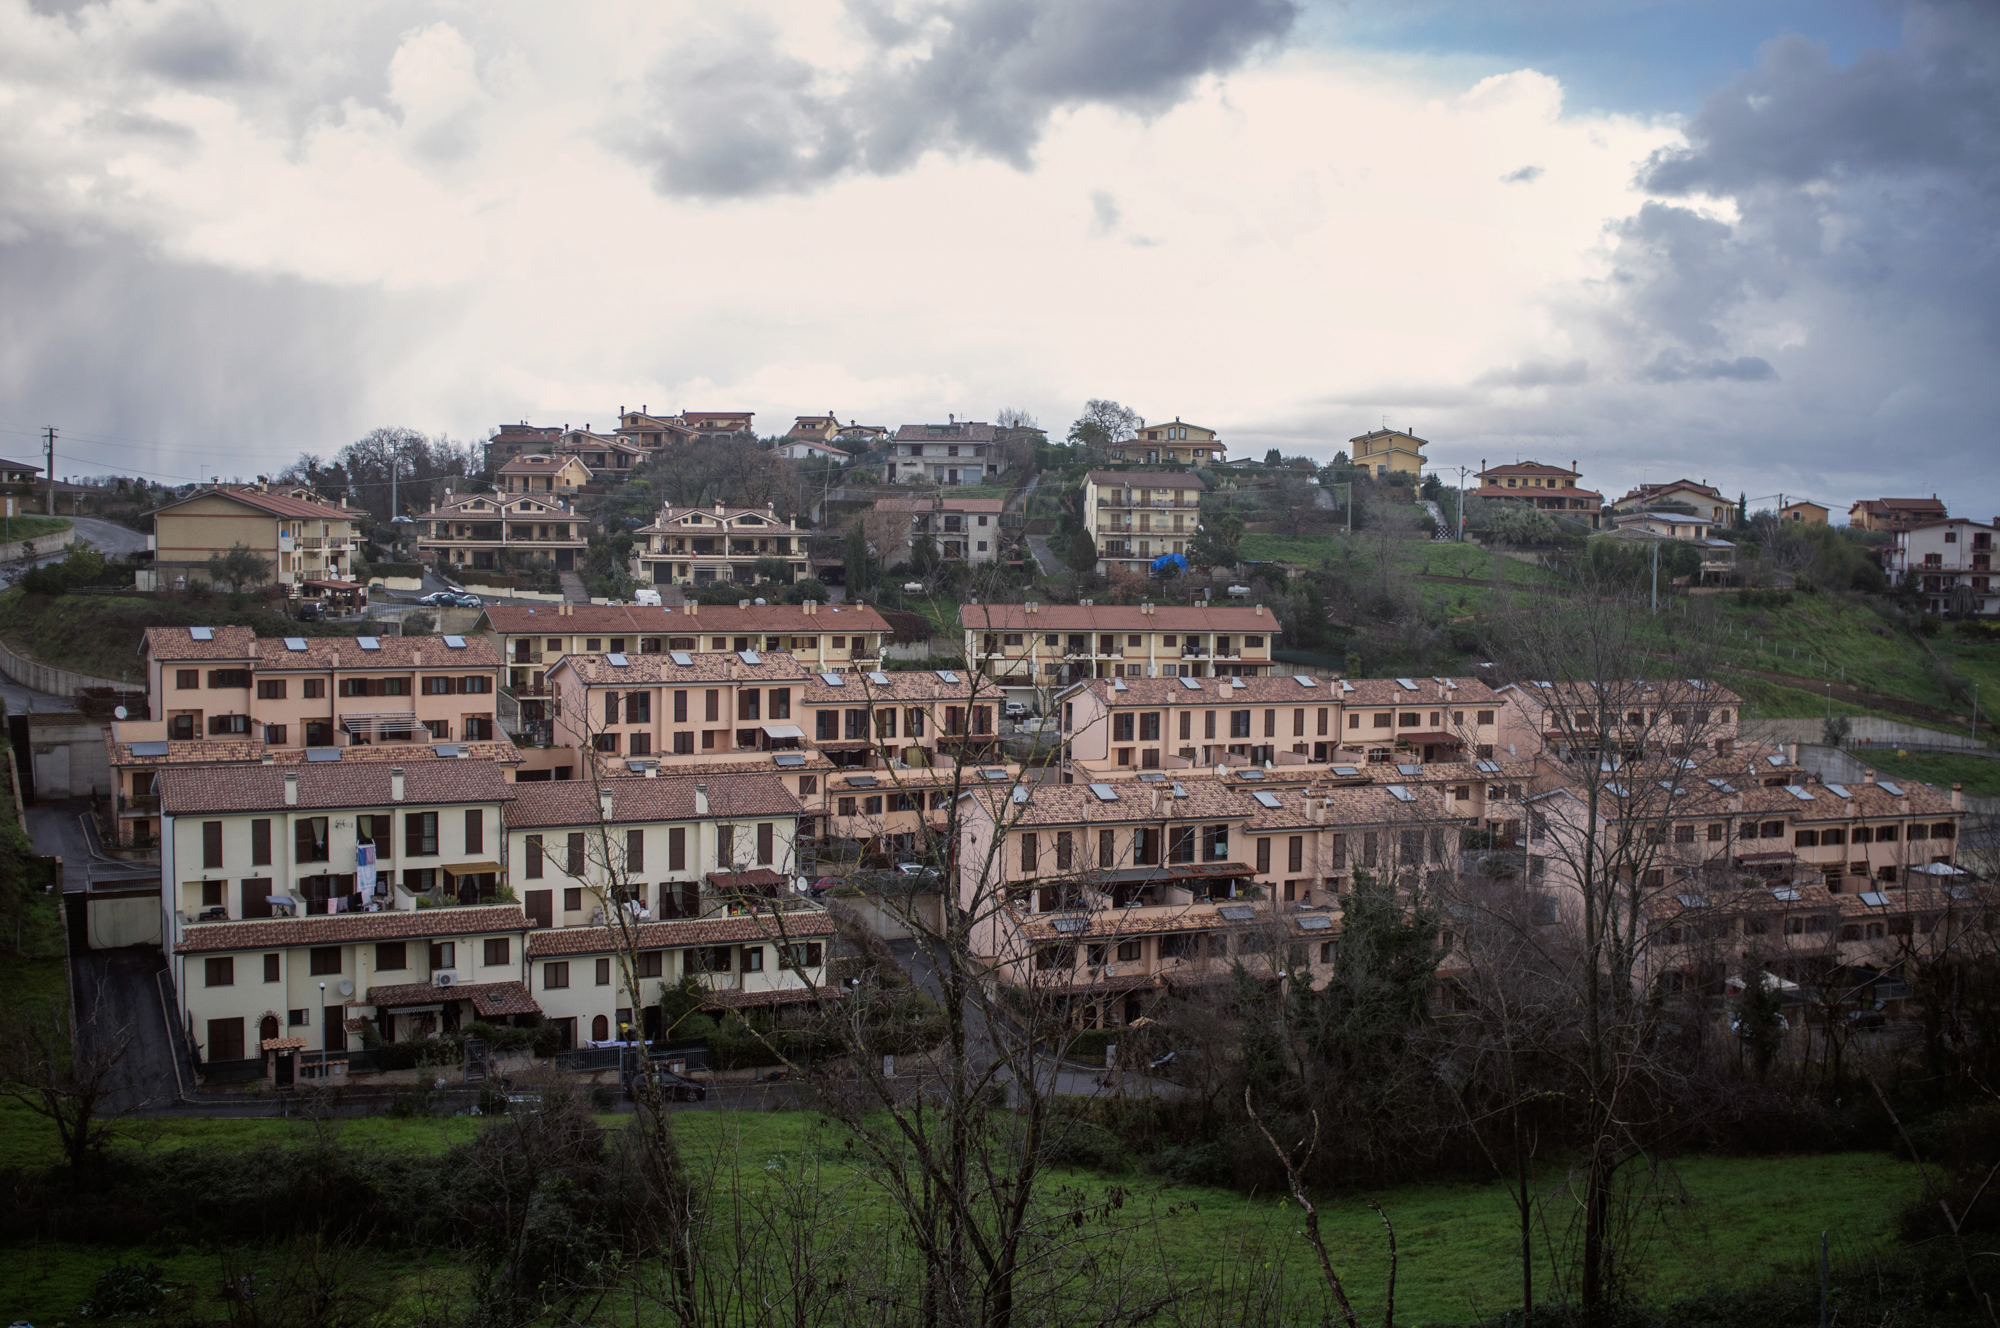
{"x":284,"y":1069}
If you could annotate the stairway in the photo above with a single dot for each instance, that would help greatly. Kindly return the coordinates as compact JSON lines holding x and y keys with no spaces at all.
{"x":1439,"y":530}
{"x":573,"y":588}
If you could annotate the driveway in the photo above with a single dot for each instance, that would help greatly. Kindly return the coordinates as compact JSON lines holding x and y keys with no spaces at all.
{"x":1045,"y":557}
{"x":57,"y":830}
{"x":119,"y":995}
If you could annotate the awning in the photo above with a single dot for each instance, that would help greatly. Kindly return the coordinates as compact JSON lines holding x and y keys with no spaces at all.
{"x":473,"y":869}
{"x":784,"y":731}
{"x":1745,"y":858}
{"x":282,"y":1044}
{"x":757,"y":878}
{"x":488,"y":998}
{"x":1452,"y":738}
{"x":846,"y":745}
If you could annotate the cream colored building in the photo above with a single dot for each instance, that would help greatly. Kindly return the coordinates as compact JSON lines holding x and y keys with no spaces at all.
{"x":703,"y":545}
{"x":303,"y":538}
{"x":1053,"y":645}
{"x":1173,"y":442}
{"x":1136,"y":516}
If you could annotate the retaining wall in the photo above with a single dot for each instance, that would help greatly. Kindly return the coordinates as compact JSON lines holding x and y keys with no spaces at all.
{"x":54,"y":681}
{"x":1836,"y":766}
{"x":16,"y":550}
{"x":1867,"y":730}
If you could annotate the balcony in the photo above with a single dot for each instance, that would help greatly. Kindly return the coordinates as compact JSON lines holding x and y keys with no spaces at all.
{"x":138,"y":804}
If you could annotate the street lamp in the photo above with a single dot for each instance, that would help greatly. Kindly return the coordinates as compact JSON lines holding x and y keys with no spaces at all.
{"x":323,"y":1032}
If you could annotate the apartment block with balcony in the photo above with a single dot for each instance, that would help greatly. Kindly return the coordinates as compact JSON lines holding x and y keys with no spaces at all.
{"x":1386,"y":452}
{"x":958,"y":452}
{"x":1950,"y":562}
{"x":676,"y":706}
{"x":1137,"y":516}
{"x":702,"y":546}
{"x":916,"y":718}
{"x":1049,"y":646}
{"x":558,"y":475}
{"x":509,"y":441}
{"x":1692,"y":498}
{"x":653,"y":433}
{"x":1629,"y":718}
{"x":1174,"y":442}
{"x":306,"y":540}
{"x":960,"y":529}
{"x":494,"y":532}
{"x":1894,"y":514}
{"x":1550,"y":489}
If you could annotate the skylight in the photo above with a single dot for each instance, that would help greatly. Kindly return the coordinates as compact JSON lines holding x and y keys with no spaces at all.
{"x":1020,"y":795}
{"x":861,"y":781}
{"x":1406,"y":684}
{"x":1190,"y":684}
{"x":788,"y":758}
{"x":1347,"y":771}
{"x":1317,"y":922}
{"x":1304,"y":681}
{"x":681,"y":657}
{"x":295,"y":643}
{"x":1875,"y":900}
{"x":879,"y":679}
{"x":322,"y":754}
{"x":946,"y":675}
{"x":1268,"y":799}
{"x":1236,"y":913}
{"x":202,"y":633}
{"x":369,"y":642}
{"x":1488,"y":767}
{"x":1250,"y":774}
{"x":1346,"y":686}
{"x":1180,"y":791}
{"x":150,"y":749}
{"x":1070,"y":926}
{"x":1410,"y":769}
{"x":617,"y":661}
{"x":1401,"y":794}
{"x":1798,"y":792}
{"x":995,"y":773}
{"x":1893,"y":790}
{"x":749,"y":657}
{"x":1152,"y":777}
{"x":448,"y":750}
{"x":1238,"y":683}
{"x":1838,"y":790}
{"x":454,"y":643}
{"x":833,"y":680}
{"x":1118,"y":685}
{"x":1785,"y":894}
{"x":1104,"y":792}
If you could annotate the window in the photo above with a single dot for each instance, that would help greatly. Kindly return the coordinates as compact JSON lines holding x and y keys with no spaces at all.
{"x":1121,"y":728}
{"x":725,"y":842}
{"x":766,"y":844}
{"x":225,"y":1040}
{"x":604,"y":972}
{"x":575,"y":853}
{"x":1214,"y":842}
{"x":532,"y":855}
{"x":677,"y":848}
{"x":712,"y":705}
{"x":635,"y":850}
{"x":809,"y":954}
{"x":1263,"y":856}
{"x":229,"y":677}
{"x":313,"y":689}
{"x":187,"y":680}
{"x":1030,"y":852}
{"x":270,"y":689}
{"x":555,"y":975}
{"x":638,"y":707}
{"x":475,"y":830}
{"x":1239,"y":723}
{"x":420,"y":835}
{"x":444,"y":954}
{"x":309,"y":842}
{"x":499,"y":951}
{"x":219,"y":972}
{"x":324,"y":960}
{"x":211,"y":845}
{"x":1296,"y":854}
{"x":271,"y":968}
{"x":1382,"y":720}
{"x":391,"y":956}
{"x":1107,"y":850}
{"x":572,"y":899}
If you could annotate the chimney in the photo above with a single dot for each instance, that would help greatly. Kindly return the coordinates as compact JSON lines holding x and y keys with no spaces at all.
{"x":395,"y":783}
{"x":1156,"y":799}
{"x":268,"y":759}
{"x":810,"y":606}
{"x":416,"y":659}
{"x":1868,"y":777}
{"x":692,"y":607}
{"x":742,"y":603}
{"x":604,"y":804}
{"x":1958,"y":797}
{"x":652,"y":770}
{"x":291,"y":788}
{"x":1791,"y":753}
{"x":1260,"y":610}
{"x":701,"y":799}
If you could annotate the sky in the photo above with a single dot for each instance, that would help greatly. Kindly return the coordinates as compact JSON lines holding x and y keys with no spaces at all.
{"x":1750,"y":242}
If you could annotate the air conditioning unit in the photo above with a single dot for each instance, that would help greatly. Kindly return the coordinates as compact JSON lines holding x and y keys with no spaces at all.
{"x":446,"y":979}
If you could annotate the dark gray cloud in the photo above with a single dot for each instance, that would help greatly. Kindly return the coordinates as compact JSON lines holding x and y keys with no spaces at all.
{"x":1672,"y":368}
{"x":1526,"y":175}
{"x":988,"y":75}
{"x":195,"y":45}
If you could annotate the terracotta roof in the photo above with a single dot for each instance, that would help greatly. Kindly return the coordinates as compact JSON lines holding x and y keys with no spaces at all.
{"x":1527,"y":468}
{"x":392,"y":652}
{"x":325,"y":785}
{"x":964,"y":431}
{"x":178,"y":643}
{"x":1910,"y":505}
{"x":752,"y":878}
{"x":745,"y":929}
{"x":495,"y":506}
{"x":537,"y":464}
{"x":669,"y":522}
{"x":654,"y":670}
{"x":1280,"y":689}
{"x":1148,"y":479}
{"x":747,"y":1000}
{"x":1625,"y":692}
{"x":488,"y":998}
{"x":1648,"y":491}
{"x":1114,"y":618}
{"x":1502,"y":491}
{"x":919,"y":506}
{"x":1391,"y":692}
{"x":711,"y":619}
{"x":277,"y":504}
{"x":225,"y":751}
{"x":634,"y":800}
{"x":614,"y":766}
{"x":345,"y":928}
{"x":863,"y":686}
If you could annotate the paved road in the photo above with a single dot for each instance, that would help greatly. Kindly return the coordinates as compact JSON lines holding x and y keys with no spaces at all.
{"x":1045,"y":557}
{"x":57,"y":830}
{"x":119,"y":994}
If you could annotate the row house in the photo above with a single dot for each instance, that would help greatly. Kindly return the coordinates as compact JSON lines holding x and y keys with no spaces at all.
{"x":1136,"y":516}
{"x":509,"y":441}
{"x":1893,"y":514}
{"x":678,"y":704}
{"x":307,"y":541}
{"x":701,"y":546}
{"x":653,"y":433}
{"x":556,"y":474}
{"x":484,"y":532}
{"x":913,"y":718}
{"x":1391,"y":720}
{"x":1631,"y":718}
{"x":963,"y":530}
{"x":1547,"y":488}
{"x":890,"y":814}
{"x":1108,"y":895}
{"x":1949,"y":562}
{"x":960,"y":452}
{"x":1175,"y":443}
{"x":1036,"y":645}
{"x":316,"y":692}
{"x":719,"y":422}
{"x":832,"y":637}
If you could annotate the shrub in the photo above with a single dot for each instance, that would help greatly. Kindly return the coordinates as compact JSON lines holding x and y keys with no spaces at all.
{"x":126,"y":1288}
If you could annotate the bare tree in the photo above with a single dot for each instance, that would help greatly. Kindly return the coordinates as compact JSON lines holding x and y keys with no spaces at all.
{"x":71,"y":1075}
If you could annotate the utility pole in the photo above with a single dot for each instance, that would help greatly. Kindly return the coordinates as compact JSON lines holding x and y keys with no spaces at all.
{"x":50,"y":473}
{"x":1461,"y":504}
{"x":1656,"y":577}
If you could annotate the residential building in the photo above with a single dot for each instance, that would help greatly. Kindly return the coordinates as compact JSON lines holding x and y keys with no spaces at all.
{"x":1036,"y":645}
{"x":652,"y":433}
{"x":1386,"y":452}
{"x":515,"y":440}
{"x":959,"y":529}
{"x":289,"y":893}
{"x":832,"y":637}
{"x":918,"y":718}
{"x":1137,"y":516}
{"x":807,"y":449}
{"x":1718,"y":556}
{"x":306,"y":540}
{"x":1949,"y":561}
{"x":960,"y":452}
{"x":1117,"y":895}
{"x":1174,"y":443}
{"x":718,"y":421}
{"x":700,"y":546}
{"x":493,"y":532}
{"x":812,"y":428}
{"x":1180,"y":723}
{"x":556,"y":474}
{"x":1804,"y":513}
{"x":678,"y":704}
{"x":18,"y":472}
{"x":1629,"y":718}
{"x":1548,"y":488}
{"x":1894,"y":513}
{"x":611,"y":457}
{"x":861,"y":437}
{"x":1701,"y":500}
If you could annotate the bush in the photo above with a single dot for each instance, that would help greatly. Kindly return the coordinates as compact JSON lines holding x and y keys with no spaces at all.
{"x":126,"y":1288}
{"x":810,"y":588}
{"x":1082,"y":1144}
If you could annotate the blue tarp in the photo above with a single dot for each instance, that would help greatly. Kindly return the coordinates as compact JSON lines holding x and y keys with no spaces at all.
{"x":1166,"y":561}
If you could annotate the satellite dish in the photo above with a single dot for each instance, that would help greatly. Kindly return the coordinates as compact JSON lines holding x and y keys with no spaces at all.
{"x":346,"y":987}
{"x":119,"y":713}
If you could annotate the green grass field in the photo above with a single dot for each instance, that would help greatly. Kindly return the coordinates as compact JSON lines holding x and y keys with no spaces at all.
{"x":100,"y":634}
{"x":1739,"y":1221}
{"x":1979,"y":774}
{"x":32,"y":527}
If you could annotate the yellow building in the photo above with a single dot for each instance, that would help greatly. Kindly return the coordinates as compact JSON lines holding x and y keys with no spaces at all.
{"x":1384,"y":452}
{"x":1173,"y":442}
{"x":303,"y":538}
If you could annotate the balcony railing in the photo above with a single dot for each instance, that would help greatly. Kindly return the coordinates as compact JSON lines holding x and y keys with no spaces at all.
{"x":138,"y":804}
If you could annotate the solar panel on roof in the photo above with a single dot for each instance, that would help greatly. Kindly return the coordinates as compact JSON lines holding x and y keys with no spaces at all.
{"x":1317,"y":922}
{"x":1784,"y":894}
{"x":788,"y":758}
{"x":681,"y":657}
{"x":1692,"y":901}
{"x":1304,"y":681}
{"x":1893,"y":790}
{"x":1190,"y":684}
{"x":150,"y":749}
{"x":295,"y":643}
{"x":861,"y":781}
{"x":1838,"y":790}
{"x":1118,"y":685}
{"x":1151,"y":777}
{"x":201,"y":633}
{"x":1267,"y":799}
{"x":1410,"y":769}
{"x":1249,"y":774}
{"x":1401,"y":794}
{"x":1179,"y":790}
{"x":1488,"y":767}
{"x":748,"y":657}
{"x":1238,"y":682}
{"x":947,"y":675}
{"x":1775,"y":758}
{"x":1875,"y":900}
{"x":833,"y":680}
{"x":1406,"y":684}
{"x":447,"y":749}
{"x":1104,"y":792}
{"x":879,"y":679}
{"x":454,"y":643}
{"x":1070,"y":926}
{"x":1346,"y":686}
{"x":1236,"y":913}
{"x":1347,"y":771}
{"x":1020,"y":795}
{"x":322,"y":753}
{"x":617,"y":661}
{"x":1796,"y":791}
{"x":369,"y":642}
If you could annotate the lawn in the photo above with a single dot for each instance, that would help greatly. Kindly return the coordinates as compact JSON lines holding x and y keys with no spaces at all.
{"x":32,"y":527}
{"x":1739,"y":1221}
{"x":100,"y":634}
{"x":1979,"y":774}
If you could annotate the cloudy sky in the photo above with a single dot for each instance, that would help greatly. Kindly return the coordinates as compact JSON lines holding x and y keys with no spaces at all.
{"x":1750,"y":241}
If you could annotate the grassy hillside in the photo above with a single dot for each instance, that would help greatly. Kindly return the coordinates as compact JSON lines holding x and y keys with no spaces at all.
{"x":1743,"y":1220}
{"x":100,"y":634}
{"x":1979,"y":774}
{"x":32,"y":527}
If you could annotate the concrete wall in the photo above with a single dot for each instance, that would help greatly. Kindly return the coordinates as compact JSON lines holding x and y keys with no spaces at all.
{"x":56,"y":682}
{"x":1842,"y":767}
{"x":1867,"y":731}
{"x":16,"y":550}
{"x":70,"y":760}
{"x":125,"y":918}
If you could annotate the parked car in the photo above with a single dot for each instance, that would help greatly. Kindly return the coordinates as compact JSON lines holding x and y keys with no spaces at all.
{"x":915,"y":871}
{"x":1017,"y":710}
{"x":466,"y":601}
{"x":439,"y":598}
{"x":824,"y":884}
{"x":672,"y":1088}
{"x":310,"y":610}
